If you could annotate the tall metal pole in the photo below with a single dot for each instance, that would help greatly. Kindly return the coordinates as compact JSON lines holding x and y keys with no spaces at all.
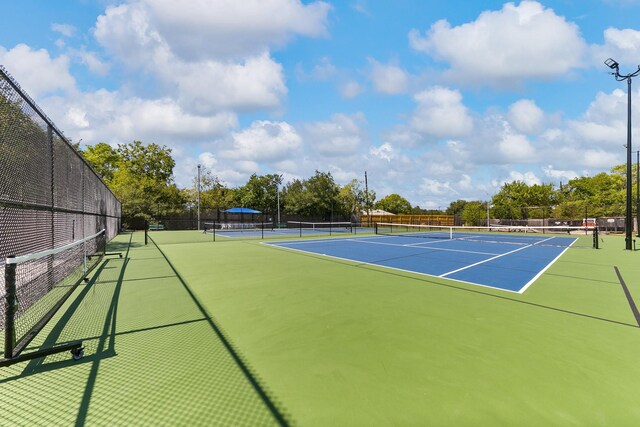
{"x":278,"y":197}
{"x":629,"y":212}
{"x":638,"y":193}
{"x":198,"y":197}
{"x":366,"y":196}
{"x":487,"y":213}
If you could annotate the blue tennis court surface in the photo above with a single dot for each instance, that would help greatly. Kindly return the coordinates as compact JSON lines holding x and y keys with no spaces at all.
{"x":509,"y":266}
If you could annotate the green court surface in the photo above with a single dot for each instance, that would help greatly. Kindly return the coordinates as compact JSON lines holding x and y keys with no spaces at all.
{"x":186,"y":331}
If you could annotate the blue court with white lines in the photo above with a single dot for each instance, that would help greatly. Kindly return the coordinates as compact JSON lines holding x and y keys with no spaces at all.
{"x":511,"y":265}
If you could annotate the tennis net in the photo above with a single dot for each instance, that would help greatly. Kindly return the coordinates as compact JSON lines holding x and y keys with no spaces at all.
{"x":36,"y":285}
{"x":237,"y":226}
{"x":519,"y":235}
{"x":321,"y":227}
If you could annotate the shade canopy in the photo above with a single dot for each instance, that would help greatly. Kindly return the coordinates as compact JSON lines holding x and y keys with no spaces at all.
{"x":243,"y":211}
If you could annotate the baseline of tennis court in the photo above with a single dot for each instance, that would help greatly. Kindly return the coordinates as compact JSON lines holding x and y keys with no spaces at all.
{"x":500,"y":265}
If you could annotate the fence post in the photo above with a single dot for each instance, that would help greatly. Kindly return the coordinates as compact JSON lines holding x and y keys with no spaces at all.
{"x":9,"y":307}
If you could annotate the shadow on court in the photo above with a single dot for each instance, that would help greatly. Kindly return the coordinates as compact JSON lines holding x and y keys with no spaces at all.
{"x":152,"y":356}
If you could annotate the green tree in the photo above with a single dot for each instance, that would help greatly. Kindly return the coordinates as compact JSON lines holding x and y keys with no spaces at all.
{"x":295,"y":198}
{"x":323,"y":194}
{"x":315,"y":197}
{"x":456,"y":207}
{"x":261,"y":193}
{"x":214,"y":195}
{"x":600,"y":195}
{"x":148,"y":161}
{"x":142,"y":178}
{"x":104,"y":159}
{"x":517,"y":200}
{"x":394,"y":203}
{"x":474,"y":213}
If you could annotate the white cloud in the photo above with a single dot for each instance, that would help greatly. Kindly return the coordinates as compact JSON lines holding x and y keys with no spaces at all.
{"x":228,"y":28}
{"x":605,"y":121}
{"x":208,"y":160}
{"x":338,"y":137}
{"x":350,"y":89}
{"x":265,"y":141}
{"x":440,"y":112}
{"x":388,"y":78}
{"x":189,"y":49}
{"x":90,"y":60}
{"x":505,"y":47}
{"x":77,"y":117}
{"x":26,"y":66}
{"x":321,"y":71}
{"x":526,"y":116}
{"x":556,"y":174}
{"x":623,"y":45}
{"x":383,"y":152}
{"x":600,"y":159}
{"x":433,"y":187}
{"x":64,"y":29}
{"x":360,"y":6}
{"x":516,"y":148}
{"x":258,"y":82}
{"x":107,"y":116}
{"x":528,"y":178}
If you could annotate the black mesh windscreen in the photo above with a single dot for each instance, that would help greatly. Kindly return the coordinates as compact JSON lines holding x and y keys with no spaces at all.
{"x":49,"y":198}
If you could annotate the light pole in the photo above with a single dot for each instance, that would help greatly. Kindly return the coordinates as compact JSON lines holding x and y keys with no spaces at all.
{"x":629,"y":215}
{"x":488,"y":224}
{"x":488,"y":206}
{"x":278,"y":198}
{"x":198,"y":197}
{"x":638,"y":193}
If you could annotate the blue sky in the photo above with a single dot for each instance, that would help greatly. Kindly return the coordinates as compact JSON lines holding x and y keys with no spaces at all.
{"x":437,"y":101}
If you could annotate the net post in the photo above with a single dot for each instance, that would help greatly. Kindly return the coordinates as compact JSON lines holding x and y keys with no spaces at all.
{"x":84,"y":258}
{"x":146,"y":229}
{"x":262,"y":229}
{"x":330,"y":227}
{"x":214,"y":230}
{"x":596,"y":236}
{"x":9,"y":307}
{"x":375,"y":228}
{"x":300,"y":227}
{"x":450,"y":233}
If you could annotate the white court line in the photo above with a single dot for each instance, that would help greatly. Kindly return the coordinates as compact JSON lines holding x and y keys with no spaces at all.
{"x":373,"y":264}
{"x":415,"y":245}
{"x":492,"y":258}
{"x":364,"y":240}
{"x":530,"y":282}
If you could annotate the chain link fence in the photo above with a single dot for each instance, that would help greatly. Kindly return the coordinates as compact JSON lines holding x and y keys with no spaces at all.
{"x":49,"y":198}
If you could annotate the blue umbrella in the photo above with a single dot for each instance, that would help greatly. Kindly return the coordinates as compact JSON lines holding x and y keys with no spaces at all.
{"x":243,"y":211}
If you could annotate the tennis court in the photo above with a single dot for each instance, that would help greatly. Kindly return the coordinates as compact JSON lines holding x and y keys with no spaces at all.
{"x":185,"y":330}
{"x":501,"y":260}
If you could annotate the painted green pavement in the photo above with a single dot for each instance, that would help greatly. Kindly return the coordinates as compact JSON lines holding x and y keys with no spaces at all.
{"x":241,"y":333}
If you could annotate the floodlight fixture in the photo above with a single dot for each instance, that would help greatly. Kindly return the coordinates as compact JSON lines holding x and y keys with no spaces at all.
{"x":611,"y":64}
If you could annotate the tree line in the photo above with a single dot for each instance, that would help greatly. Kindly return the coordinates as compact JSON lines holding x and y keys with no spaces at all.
{"x":141,"y":176}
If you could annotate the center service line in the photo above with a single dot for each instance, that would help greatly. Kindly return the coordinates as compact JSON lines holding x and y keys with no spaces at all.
{"x":492,"y":258}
